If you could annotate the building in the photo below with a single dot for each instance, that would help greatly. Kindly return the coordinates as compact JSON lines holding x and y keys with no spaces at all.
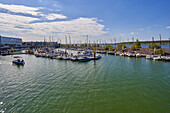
{"x":10,"y":41}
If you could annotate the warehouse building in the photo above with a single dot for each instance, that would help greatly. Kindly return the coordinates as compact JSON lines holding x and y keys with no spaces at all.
{"x":9,"y":41}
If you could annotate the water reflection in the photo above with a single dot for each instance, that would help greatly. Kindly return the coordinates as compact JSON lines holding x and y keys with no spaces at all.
{"x":18,"y":65}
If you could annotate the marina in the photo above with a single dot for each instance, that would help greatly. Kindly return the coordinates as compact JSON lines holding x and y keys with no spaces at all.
{"x":84,"y":56}
{"x":66,"y":86}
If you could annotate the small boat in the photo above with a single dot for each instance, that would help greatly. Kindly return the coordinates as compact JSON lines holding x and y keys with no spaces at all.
{"x":43,"y":55}
{"x":66,"y":57}
{"x":38,"y":55}
{"x":117,"y":54}
{"x":131,"y":55}
{"x":122,"y":54}
{"x":60,"y":57}
{"x":150,"y":57}
{"x":157,"y":58}
{"x":19,"y":61}
{"x":138,"y":55}
{"x":110,"y":52}
{"x":17,"y":57}
{"x":166,"y":59}
{"x":103,"y":52}
{"x":95,"y":58}
{"x":83,"y":59}
{"x":74,"y":58}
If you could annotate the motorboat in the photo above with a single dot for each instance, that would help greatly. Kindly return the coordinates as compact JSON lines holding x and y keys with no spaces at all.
{"x":122,"y":54}
{"x":38,"y":55}
{"x":95,"y":58}
{"x":43,"y":55}
{"x":164,"y":58}
{"x":131,"y":55}
{"x":66,"y":57}
{"x":138,"y":55}
{"x":117,"y":53}
{"x":157,"y":58}
{"x":83,"y":59}
{"x":19,"y":61}
{"x":167,"y":59}
{"x":150,"y":57}
{"x":60,"y":57}
{"x":74,"y":58}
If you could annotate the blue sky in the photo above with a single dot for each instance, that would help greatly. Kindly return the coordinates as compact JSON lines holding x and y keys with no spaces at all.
{"x":99,"y":19}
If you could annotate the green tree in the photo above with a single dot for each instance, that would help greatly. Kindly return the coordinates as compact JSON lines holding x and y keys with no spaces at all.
{"x":152,"y":46}
{"x":94,"y":45}
{"x":105,"y":47}
{"x":24,"y":43}
{"x":119,"y":47}
{"x":123,"y":46}
{"x":137,"y":44}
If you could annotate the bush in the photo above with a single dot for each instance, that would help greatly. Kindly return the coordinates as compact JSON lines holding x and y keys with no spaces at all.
{"x":133,"y":48}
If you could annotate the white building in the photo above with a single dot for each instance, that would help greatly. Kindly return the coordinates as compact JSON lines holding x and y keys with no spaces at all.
{"x":10,"y":41}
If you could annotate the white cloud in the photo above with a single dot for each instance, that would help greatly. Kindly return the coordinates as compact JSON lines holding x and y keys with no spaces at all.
{"x":132,"y":33}
{"x":55,"y":16}
{"x":9,"y":22}
{"x":31,"y":10}
{"x":77,"y":27}
{"x":21,"y":9}
{"x":168,"y":27}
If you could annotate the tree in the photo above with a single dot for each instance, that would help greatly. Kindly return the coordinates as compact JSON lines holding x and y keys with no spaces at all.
{"x":119,"y":46}
{"x":123,"y":46}
{"x":105,"y":47}
{"x":154,"y":46}
{"x":94,"y":45}
{"x":137,"y":44}
{"x":160,"y":51}
{"x":24,"y":43}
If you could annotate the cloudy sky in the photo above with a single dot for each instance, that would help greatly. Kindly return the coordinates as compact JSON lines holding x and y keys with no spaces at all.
{"x":99,"y":19}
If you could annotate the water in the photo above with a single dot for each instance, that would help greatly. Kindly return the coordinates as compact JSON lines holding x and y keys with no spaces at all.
{"x":112,"y":84}
{"x":142,"y":46}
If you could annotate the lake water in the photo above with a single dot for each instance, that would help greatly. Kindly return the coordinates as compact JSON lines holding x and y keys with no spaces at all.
{"x":142,"y":46}
{"x":112,"y":84}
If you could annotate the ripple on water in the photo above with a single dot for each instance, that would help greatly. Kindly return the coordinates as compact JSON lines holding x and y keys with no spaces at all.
{"x":111,"y":84}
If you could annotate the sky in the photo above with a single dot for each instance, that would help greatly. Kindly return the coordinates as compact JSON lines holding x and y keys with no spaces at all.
{"x":104,"y":20}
